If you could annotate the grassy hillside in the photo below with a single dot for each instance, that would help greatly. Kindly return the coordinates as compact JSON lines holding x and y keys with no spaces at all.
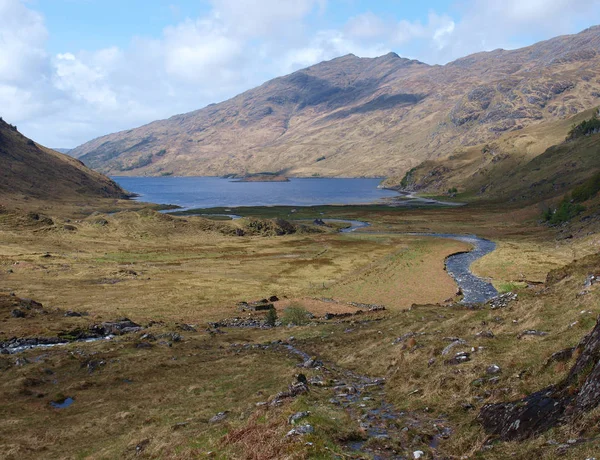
{"x":519,"y":167}
{"x":31,"y":175}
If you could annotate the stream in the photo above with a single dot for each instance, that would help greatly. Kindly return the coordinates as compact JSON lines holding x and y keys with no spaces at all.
{"x":474,"y":288}
{"x":386,"y":430}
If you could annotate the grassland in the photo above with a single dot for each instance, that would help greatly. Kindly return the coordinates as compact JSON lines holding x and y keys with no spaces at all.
{"x":156,"y":400}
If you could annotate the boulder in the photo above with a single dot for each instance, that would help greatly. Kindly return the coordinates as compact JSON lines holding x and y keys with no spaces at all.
{"x":557,"y":404}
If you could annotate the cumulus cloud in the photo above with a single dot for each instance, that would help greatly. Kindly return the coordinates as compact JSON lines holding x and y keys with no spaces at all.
{"x":65,"y":99}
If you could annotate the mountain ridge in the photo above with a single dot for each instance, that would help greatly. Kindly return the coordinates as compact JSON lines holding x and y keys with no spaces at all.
{"x":354,"y":116}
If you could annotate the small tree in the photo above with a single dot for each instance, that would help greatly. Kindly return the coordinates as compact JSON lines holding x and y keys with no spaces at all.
{"x":296,"y":315}
{"x":271,"y":317}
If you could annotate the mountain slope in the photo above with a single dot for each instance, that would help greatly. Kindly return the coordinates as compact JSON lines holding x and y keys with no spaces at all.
{"x":530,"y":165}
{"x":29,"y":171}
{"x":356,"y":116}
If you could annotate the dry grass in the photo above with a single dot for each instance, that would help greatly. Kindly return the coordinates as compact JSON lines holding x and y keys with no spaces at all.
{"x":189,"y":271}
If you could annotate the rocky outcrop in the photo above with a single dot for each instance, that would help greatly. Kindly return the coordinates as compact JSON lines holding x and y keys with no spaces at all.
{"x":577,"y":394}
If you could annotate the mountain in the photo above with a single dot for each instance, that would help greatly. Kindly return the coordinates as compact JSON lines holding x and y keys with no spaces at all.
{"x":31,"y":172}
{"x":364,"y":116}
{"x":62,"y":150}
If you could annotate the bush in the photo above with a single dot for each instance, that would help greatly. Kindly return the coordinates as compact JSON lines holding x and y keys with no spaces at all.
{"x":296,"y":315}
{"x":585,"y":127}
{"x":567,"y":209}
{"x":271,"y":317}
{"x":587,"y":190}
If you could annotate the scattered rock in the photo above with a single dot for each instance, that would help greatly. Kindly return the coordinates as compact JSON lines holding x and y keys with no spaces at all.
{"x":119,"y":327}
{"x":568,"y":400}
{"x":294,"y":390}
{"x":502,"y":301}
{"x":301,"y":430}
{"x":532,"y":332}
{"x":219,"y":417}
{"x":294,"y":418}
{"x":311,"y":363}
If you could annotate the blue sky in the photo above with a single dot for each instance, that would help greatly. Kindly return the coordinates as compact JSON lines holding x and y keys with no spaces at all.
{"x":72,"y":70}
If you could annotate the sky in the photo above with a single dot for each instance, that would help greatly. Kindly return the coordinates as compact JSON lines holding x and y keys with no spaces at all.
{"x":73,"y":70}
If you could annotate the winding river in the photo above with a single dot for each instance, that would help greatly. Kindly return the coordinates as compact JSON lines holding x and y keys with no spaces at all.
{"x":458,"y":266}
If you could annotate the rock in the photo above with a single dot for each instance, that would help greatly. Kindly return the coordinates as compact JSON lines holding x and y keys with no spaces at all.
{"x":16,"y":313}
{"x":485,"y":334}
{"x":145,"y":345}
{"x":301,"y":430}
{"x":319,"y":222}
{"x":72,"y":314}
{"x":532,"y":332}
{"x":561,"y":356}
{"x":186,"y":327}
{"x":493,"y":369}
{"x":591,"y":280}
{"x":311,"y":362}
{"x":294,"y":390}
{"x":301,"y":378}
{"x":455,"y":343}
{"x":294,"y":418}
{"x":418,"y":454}
{"x":502,"y":301}
{"x":273,"y":298}
{"x":459,"y":358}
{"x":566,"y":401}
{"x":219,"y":417}
{"x":119,"y":327}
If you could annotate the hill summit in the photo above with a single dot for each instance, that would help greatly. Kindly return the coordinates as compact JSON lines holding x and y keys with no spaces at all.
{"x":356,"y":116}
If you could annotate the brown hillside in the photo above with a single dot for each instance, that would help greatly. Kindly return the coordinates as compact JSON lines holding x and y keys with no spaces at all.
{"x":32,"y":173}
{"x":364,"y":117}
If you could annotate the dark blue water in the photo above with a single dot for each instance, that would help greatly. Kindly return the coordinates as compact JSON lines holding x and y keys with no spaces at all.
{"x":209,"y":192}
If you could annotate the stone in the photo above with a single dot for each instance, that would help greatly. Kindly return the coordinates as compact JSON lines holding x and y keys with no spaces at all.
{"x":294,"y":418}
{"x":186,"y":327}
{"x":72,"y":314}
{"x":493,"y":369}
{"x":485,"y":334}
{"x":459,"y":358}
{"x":455,"y":343}
{"x":273,"y":298}
{"x":566,"y":401}
{"x":219,"y":417}
{"x":16,"y":313}
{"x":532,"y":332}
{"x":418,"y":454}
{"x":301,"y":430}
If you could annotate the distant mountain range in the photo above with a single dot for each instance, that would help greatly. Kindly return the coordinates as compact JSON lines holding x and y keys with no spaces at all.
{"x":364,"y":116}
{"x":65,"y":151}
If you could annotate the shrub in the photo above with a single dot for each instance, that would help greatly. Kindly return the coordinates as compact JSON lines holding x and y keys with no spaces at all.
{"x":566,"y":210}
{"x":585,"y":127}
{"x":271,"y":317}
{"x":587,"y":190}
{"x":297,"y":315}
